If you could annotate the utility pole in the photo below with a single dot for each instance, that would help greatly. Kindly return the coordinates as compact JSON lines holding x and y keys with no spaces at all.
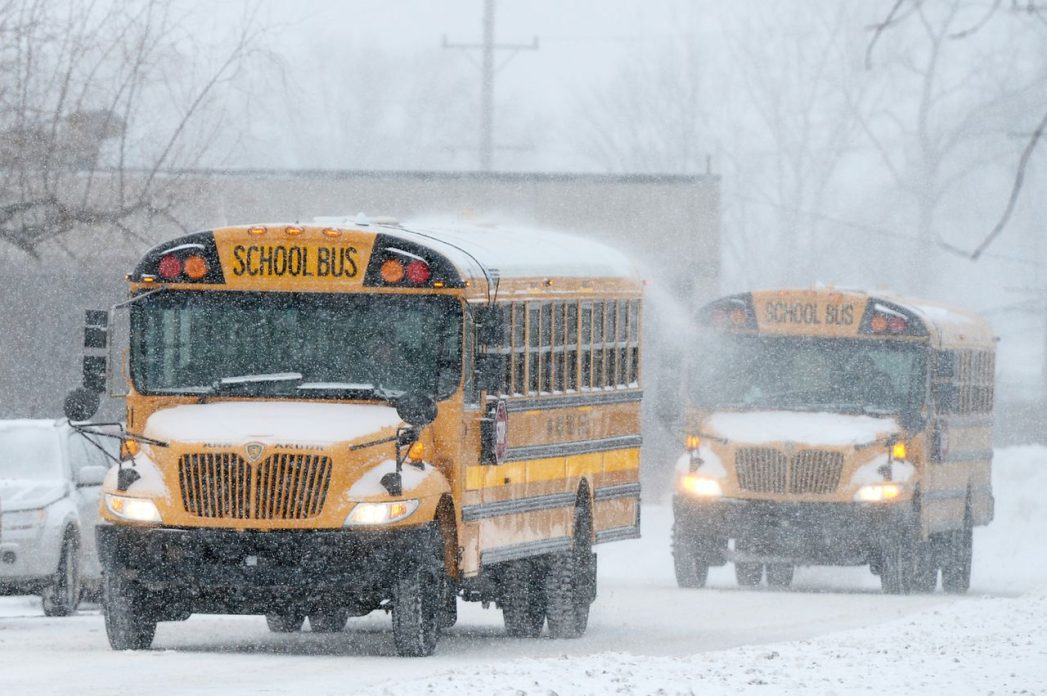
{"x":487,"y":73}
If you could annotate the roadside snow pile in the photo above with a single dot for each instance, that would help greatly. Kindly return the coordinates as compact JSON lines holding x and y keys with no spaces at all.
{"x":1009,"y":554}
{"x":975,"y":645}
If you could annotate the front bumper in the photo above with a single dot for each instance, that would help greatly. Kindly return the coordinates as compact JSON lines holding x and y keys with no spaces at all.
{"x":799,"y":533}
{"x":224,"y":571}
{"x":28,"y":559}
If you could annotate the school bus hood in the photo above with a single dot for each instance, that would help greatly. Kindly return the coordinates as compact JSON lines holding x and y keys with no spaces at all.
{"x":303,"y":424}
{"x":809,"y":428}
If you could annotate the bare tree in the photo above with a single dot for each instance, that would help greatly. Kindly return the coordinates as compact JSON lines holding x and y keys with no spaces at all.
{"x":940,"y":24}
{"x":76,"y":80}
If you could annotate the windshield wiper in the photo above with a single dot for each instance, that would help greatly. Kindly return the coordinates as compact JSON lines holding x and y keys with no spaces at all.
{"x":365,"y":389}
{"x":226,"y":384}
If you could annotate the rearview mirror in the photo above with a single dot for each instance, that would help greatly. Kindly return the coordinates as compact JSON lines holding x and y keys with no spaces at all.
{"x":81,"y":404}
{"x":91,"y":475}
{"x":490,"y":371}
{"x":416,"y":409}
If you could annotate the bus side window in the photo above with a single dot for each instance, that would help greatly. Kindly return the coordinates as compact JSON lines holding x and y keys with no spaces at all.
{"x":571,"y":381}
{"x":586,"y":349}
{"x":547,"y":348}
{"x":599,"y":374}
{"x":519,"y":347}
{"x":533,"y":348}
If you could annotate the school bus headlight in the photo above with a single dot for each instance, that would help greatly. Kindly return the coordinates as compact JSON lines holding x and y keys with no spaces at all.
{"x":878,"y":492}
{"x":701,"y":486}
{"x":370,"y":514}
{"x":132,"y":509}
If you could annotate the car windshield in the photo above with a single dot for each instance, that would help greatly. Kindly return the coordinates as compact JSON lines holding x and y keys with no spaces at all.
{"x":29,"y":453}
{"x":295,"y":344}
{"x":808,"y":374}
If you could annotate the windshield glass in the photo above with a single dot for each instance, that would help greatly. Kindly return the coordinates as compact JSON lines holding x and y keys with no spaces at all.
{"x":808,"y":374}
{"x":295,"y":344}
{"x":29,"y":453}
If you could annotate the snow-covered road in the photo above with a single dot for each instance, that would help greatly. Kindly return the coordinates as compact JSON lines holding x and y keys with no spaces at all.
{"x":833,"y":632}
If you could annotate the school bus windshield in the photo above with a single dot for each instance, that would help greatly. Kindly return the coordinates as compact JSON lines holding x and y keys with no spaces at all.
{"x":808,"y":374}
{"x":341,"y":345}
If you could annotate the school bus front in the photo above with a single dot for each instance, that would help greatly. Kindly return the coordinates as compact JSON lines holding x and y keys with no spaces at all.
{"x":814,"y":438}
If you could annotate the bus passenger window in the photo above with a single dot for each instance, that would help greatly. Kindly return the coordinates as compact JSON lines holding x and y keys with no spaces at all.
{"x":558,"y":347}
{"x":599,"y":374}
{"x":533,"y":353}
{"x":586,"y":348}
{"x":612,"y":345}
{"x":519,"y":359}
{"x":547,"y":343}
{"x":571,"y":382}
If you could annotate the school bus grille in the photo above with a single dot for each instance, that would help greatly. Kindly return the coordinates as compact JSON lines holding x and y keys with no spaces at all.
{"x":281,"y":487}
{"x":768,"y":470}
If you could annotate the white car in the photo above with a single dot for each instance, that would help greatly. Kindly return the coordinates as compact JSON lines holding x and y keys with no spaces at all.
{"x":50,"y":478}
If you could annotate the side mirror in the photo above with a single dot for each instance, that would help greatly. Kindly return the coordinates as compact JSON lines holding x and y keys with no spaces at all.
{"x":416,"y":409}
{"x":912,"y":420}
{"x":490,"y":326}
{"x":81,"y":404}
{"x":490,"y":371}
{"x":91,"y":476}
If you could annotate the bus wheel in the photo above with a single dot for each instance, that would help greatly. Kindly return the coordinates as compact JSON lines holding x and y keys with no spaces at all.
{"x":925,"y":575}
{"x":780,"y":574}
{"x":690,"y":572}
{"x":748,"y":574}
{"x":285,"y":621}
{"x":416,"y":602}
{"x":447,"y":612}
{"x":329,"y":620}
{"x":523,"y":599}
{"x":570,"y":583}
{"x":129,"y":620}
{"x":62,"y":595}
{"x":898,"y":561}
{"x":956,"y":565}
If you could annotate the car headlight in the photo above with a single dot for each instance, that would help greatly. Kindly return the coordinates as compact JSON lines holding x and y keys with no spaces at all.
{"x":878,"y":492}
{"x":24,"y":519}
{"x":132,"y":509}
{"x":701,"y":486}
{"x":369,"y":514}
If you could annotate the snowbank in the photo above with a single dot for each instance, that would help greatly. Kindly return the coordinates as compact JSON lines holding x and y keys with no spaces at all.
{"x":975,"y":645}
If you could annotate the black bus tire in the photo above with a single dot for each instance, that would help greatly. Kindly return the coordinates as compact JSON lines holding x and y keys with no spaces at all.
{"x":748,"y":574}
{"x":328,"y":620}
{"x":956,"y":566}
{"x":129,"y":620}
{"x":570,"y":582}
{"x":780,"y":574}
{"x":415,"y":605}
{"x":690,"y":572}
{"x":285,"y":621}
{"x":523,"y":599}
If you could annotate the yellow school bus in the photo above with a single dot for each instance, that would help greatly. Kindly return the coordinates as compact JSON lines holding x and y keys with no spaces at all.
{"x":327,"y":420}
{"x":830,"y":427}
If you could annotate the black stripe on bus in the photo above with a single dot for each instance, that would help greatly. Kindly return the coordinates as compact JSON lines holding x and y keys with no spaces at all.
{"x":969,"y":456}
{"x":957,"y":493}
{"x":471,"y":513}
{"x":525,"y":550}
{"x":546,"y":403}
{"x":617,"y":534}
{"x":534,"y":503}
{"x":625,"y":490}
{"x":567,"y":449}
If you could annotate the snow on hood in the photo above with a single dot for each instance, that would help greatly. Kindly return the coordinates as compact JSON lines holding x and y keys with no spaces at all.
{"x":271,"y":422}
{"x":829,"y":429}
{"x":370,"y":484}
{"x":29,"y":494}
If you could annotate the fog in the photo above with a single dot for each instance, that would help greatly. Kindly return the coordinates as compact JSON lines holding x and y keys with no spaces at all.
{"x":848,"y":156}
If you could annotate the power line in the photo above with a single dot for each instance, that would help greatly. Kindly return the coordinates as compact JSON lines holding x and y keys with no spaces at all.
{"x":487,"y":73}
